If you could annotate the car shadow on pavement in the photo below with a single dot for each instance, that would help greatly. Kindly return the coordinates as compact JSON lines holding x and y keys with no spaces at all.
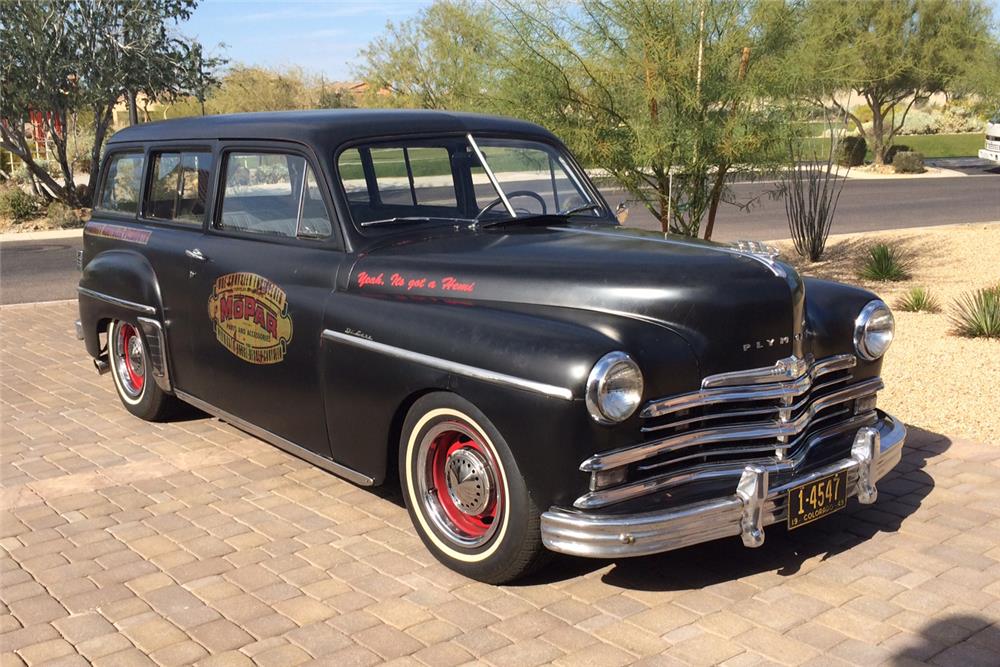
{"x":900,"y":495}
{"x":961,"y":639}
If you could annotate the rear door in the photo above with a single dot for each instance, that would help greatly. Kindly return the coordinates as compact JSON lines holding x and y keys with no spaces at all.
{"x":259,"y":279}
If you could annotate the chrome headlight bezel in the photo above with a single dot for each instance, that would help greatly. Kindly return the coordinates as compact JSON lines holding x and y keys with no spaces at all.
{"x":864,"y":344}
{"x":597,"y":388}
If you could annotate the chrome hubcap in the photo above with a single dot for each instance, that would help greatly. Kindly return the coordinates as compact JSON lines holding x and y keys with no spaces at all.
{"x":135,"y":355}
{"x":468,"y":481}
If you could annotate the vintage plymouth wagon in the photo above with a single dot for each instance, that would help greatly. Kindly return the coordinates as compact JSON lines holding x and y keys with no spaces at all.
{"x":447,"y":300}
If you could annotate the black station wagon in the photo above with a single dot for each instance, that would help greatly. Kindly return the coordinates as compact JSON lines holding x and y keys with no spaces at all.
{"x":447,"y":300}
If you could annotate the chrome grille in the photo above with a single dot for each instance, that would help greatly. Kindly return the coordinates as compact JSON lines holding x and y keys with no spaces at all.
{"x":764,"y":415}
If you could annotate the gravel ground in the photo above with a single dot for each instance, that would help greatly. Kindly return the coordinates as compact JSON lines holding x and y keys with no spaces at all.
{"x":934,"y":379}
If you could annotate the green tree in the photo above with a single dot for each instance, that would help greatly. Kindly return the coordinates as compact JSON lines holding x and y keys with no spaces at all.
{"x":650,"y":88}
{"x":440,"y":59}
{"x":246,"y":88}
{"x":62,"y":56}
{"x":891,"y":53}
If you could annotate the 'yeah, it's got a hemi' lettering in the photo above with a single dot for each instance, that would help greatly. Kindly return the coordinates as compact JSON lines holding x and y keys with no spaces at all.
{"x":250,"y":318}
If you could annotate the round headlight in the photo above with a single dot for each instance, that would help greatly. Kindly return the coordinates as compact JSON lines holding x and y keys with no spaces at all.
{"x":873,"y":330}
{"x":614,"y":388}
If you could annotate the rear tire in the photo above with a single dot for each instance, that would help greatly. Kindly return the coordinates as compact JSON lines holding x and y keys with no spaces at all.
{"x":464,"y":492}
{"x":130,"y":369}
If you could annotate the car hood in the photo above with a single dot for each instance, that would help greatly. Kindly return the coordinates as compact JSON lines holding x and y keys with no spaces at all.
{"x":736,"y":310}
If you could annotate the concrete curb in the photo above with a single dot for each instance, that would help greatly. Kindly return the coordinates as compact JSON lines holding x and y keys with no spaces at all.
{"x":43,"y":235}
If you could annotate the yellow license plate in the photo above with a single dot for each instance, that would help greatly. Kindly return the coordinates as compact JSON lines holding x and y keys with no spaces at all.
{"x":816,"y":499}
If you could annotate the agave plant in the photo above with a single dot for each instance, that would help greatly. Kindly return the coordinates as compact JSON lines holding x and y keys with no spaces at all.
{"x":919,"y":300}
{"x":976,"y":314}
{"x":885,"y":263}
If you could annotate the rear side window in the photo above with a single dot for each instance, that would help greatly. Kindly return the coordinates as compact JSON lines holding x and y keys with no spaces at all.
{"x":121,"y":183}
{"x":274,"y":194}
{"x":179,"y":187}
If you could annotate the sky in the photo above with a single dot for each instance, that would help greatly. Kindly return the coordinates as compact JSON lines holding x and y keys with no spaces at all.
{"x":320,"y":36}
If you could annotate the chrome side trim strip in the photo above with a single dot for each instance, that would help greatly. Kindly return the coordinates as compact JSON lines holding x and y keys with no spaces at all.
{"x":115,"y":301}
{"x":627,"y":455}
{"x":639,"y":534}
{"x":295,"y":450}
{"x":156,"y":345}
{"x":451,"y":366}
{"x":713,"y":393}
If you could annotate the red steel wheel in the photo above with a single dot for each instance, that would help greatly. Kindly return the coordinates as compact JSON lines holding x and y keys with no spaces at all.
{"x":129,"y":360}
{"x":461,"y":485}
{"x":465,"y":493}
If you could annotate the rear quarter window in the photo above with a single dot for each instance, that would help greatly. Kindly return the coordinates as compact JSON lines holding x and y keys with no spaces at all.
{"x":179,"y":187}
{"x":120,"y":192}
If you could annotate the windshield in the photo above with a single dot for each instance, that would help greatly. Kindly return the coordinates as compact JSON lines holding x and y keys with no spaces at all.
{"x":996,"y":118}
{"x":462,"y":179}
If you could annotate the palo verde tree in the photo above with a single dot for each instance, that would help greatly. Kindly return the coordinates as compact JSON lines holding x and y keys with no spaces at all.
{"x":890,"y":53}
{"x":650,"y":88}
{"x":440,"y":59}
{"x":67,"y":55}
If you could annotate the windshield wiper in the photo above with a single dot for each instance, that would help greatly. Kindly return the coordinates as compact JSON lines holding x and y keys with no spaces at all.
{"x":411,"y":219}
{"x":544,"y":217}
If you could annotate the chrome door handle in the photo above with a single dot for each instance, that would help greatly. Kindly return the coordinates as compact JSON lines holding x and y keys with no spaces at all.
{"x":195,"y":253}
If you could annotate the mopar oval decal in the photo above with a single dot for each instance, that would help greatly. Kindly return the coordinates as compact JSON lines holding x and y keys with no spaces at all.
{"x":249,"y":315}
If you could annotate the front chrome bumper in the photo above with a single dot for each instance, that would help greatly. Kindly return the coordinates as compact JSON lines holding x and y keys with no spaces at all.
{"x":752,"y":506}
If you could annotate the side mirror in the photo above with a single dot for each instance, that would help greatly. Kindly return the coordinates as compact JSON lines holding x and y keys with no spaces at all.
{"x":621,"y":212}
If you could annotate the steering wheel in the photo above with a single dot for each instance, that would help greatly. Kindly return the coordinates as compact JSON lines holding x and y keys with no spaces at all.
{"x":515,"y":193}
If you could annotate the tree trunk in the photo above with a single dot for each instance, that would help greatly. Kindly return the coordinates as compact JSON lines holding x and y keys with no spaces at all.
{"x":663,"y":194}
{"x":878,"y":127}
{"x":716,"y":197}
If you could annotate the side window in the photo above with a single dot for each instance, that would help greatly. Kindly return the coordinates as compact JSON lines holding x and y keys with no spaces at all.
{"x":179,"y":187}
{"x":121,"y":183}
{"x":275,"y":194}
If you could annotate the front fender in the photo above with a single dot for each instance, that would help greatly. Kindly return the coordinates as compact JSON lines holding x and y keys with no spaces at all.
{"x":831,"y":309}
{"x":370,"y":387}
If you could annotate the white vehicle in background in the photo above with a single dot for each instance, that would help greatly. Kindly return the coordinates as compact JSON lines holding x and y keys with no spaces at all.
{"x":992,"y":150}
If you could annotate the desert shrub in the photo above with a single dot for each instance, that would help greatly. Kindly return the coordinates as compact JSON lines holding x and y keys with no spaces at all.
{"x":851,"y":152}
{"x":893,"y":150}
{"x":908,"y":162}
{"x":16,"y":204}
{"x":60,"y":215}
{"x":918,"y":300}
{"x":920,"y":122}
{"x":977,"y":314}
{"x":885,"y":263}
{"x":957,"y":118}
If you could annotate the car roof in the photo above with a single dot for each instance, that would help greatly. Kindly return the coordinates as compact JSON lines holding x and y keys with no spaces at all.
{"x":325,"y":127}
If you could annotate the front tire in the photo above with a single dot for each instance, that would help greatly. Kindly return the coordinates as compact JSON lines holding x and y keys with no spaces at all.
{"x":464,"y":492}
{"x":130,"y":369}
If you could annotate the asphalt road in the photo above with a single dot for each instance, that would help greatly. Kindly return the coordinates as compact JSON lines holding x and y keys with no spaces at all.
{"x":46,"y":270}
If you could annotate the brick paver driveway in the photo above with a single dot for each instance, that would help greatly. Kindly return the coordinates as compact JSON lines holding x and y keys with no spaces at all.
{"x":126,"y":542}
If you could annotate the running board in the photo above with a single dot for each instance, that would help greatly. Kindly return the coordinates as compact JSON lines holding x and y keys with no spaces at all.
{"x":349,"y":474}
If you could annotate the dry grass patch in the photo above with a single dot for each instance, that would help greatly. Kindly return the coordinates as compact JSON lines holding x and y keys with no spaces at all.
{"x":934,"y":379}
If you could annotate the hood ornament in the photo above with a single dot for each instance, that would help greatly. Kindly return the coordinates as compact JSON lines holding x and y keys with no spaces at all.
{"x":756,"y":248}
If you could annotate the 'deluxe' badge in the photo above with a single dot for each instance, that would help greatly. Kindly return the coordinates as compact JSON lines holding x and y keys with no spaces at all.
{"x":250,"y":318}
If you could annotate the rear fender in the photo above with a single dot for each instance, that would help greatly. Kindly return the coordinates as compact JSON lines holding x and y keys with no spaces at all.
{"x":116,"y":285}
